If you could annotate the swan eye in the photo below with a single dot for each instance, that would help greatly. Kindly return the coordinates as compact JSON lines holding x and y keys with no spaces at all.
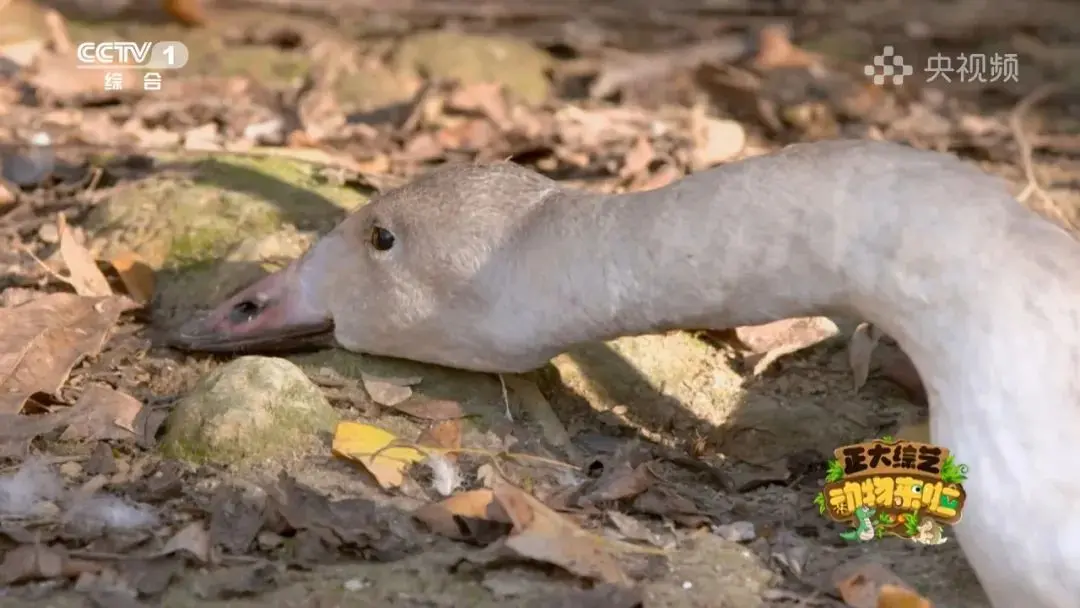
{"x":381,"y":238}
{"x":244,"y":311}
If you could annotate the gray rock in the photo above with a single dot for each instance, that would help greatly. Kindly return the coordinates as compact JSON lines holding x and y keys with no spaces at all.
{"x":250,"y":409}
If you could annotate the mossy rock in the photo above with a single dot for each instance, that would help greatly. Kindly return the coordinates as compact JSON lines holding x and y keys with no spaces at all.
{"x":518,"y":65}
{"x":250,"y":410}
{"x":210,"y":226}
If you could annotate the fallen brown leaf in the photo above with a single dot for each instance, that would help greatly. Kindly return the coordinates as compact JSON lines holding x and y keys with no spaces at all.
{"x":42,"y":340}
{"x":445,"y":517}
{"x":485,"y":98}
{"x":83,"y":273}
{"x":236,"y":518}
{"x":618,"y":482}
{"x":444,"y":434}
{"x":860,"y":350}
{"x":764,"y":344}
{"x":388,"y":391}
{"x":536,"y":404}
{"x":18,"y":430}
{"x":892,"y":596}
{"x":193,"y":541}
{"x":431,"y":409}
{"x":37,"y":562}
{"x":775,"y":50}
{"x":102,"y":413}
{"x":638,"y":158}
{"x":632,"y":528}
{"x":861,"y":585}
{"x":544,"y":535}
{"x":137,"y":276}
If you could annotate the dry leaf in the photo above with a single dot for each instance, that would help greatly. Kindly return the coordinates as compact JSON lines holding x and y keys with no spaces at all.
{"x":442,"y":517}
{"x":83,"y":273}
{"x":18,"y":430}
{"x":638,"y":158}
{"x":485,"y":98}
{"x":861,"y":583}
{"x":544,"y":535}
{"x":775,"y":50}
{"x":431,"y":409}
{"x":892,"y":596}
{"x":102,"y":413}
{"x":767,"y":343}
{"x":539,"y":410}
{"x":860,"y":349}
{"x":444,"y":434}
{"x":632,"y":528}
{"x":618,"y":482}
{"x":193,"y":540}
{"x":36,"y":562}
{"x":41,"y":340}
{"x":136,"y":275}
{"x":387,"y":391}
{"x":369,"y":446}
{"x":718,"y":141}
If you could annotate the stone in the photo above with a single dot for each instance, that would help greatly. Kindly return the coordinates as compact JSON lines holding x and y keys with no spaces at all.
{"x":249,"y":410}
{"x":514,"y":63}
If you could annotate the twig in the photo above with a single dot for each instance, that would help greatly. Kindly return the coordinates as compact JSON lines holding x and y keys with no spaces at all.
{"x":1016,"y":118}
{"x":45,"y":267}
{"x":506,"y":398}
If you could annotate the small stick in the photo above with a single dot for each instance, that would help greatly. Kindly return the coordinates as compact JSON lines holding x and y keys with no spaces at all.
{"x":1016,"y":118}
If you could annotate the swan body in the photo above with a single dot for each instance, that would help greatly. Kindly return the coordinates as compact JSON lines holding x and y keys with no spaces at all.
{"x":496,"y":268}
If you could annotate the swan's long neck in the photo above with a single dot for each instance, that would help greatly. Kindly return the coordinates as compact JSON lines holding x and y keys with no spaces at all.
{"x":983,"y":295}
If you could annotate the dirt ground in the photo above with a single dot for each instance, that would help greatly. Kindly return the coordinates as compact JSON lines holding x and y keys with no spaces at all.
{"x":287,"y":116}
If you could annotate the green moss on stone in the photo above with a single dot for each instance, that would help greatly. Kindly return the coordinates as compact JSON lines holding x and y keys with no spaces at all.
{"x":250,"y":410}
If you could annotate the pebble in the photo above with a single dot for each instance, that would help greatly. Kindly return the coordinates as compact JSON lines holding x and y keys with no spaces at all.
{"x":71,"y":469}
{"x":738,"y":532}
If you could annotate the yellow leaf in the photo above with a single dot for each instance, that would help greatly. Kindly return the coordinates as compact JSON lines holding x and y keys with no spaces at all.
{"x":83,"y":273}
{"x":137,"y":275}
{"x":367,"y":445}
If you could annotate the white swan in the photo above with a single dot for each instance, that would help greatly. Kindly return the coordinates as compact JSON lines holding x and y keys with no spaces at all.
{"x":499,"y":269}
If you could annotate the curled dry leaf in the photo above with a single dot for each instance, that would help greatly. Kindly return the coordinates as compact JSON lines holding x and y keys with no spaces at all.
{"x":484,"y":98}
{"x":83,"y":273}
{"x":445,"y":517}
{"x":632,"y":528}
{"x":193,"y":540}
{"x":431,"y":409}
{"x":42,"y":340}
{"x":718,"y":141}
{"x":541,"y":534}
{"x":862,"y":584}
{"x":860,"y":349}
{"x":102,"y":413}
{"x":388,"y":391}
{"x":18,"y":430}
{"x":136,"y":275}
{"x":775,"y":50}
{"x":537,"y":406}
{"x":892,"y":596}
{"x":765,"y":344}
{"x":443,"y":434}
{"x":619,"y":482}
{"x":370,"y":446}
{"x":36,"y":562}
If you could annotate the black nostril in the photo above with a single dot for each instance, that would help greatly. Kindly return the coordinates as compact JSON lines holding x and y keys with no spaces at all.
{"x":244,"y":312}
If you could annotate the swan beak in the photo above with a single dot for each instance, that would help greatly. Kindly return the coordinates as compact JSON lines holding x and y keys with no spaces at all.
{"x":267,"y":316}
